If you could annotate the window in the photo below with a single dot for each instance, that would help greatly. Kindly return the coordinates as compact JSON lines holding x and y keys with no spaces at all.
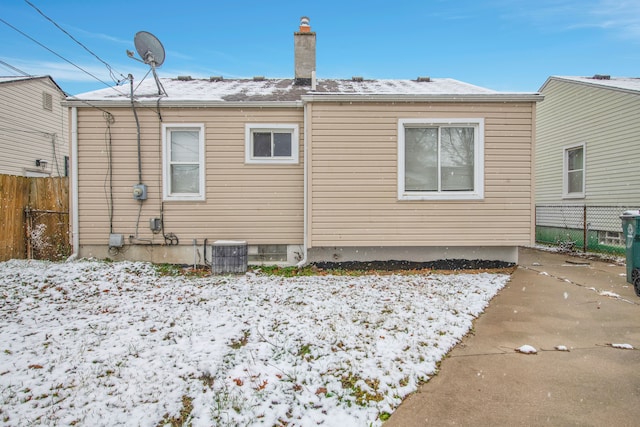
{"x":183,"y":165}
{"x":573,"y":176}
{"x":440,"y":159}
{"x":267,"y":253}
{"x":611,"y":238}
{"x":47,"y":101}
{"x":269,"y":143}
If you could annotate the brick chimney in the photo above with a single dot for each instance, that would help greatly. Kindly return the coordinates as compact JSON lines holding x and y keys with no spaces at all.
{"x":304,"y":42}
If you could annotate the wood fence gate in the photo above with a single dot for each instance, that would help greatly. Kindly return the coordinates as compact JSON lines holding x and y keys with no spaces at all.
{"x":34,"y":218}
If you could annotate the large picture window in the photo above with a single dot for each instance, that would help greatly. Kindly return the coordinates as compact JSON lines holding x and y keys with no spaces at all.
{"x":271,"y":143}
{"x":183,"y":166}
{"x":440,"y":159}
{"x":573,"y":176}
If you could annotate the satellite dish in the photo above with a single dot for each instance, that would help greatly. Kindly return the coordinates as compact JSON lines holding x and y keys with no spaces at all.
{"x":149,"y":48}
{"x":152,"y":53}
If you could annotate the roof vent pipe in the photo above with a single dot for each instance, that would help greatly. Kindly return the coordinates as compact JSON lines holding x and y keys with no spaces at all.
{"x":304,"y":25}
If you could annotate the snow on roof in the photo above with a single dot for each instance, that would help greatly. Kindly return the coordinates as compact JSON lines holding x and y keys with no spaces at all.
{"x":7,"y":79}
{"x":624,"y":83}
{"x":265,"y":90}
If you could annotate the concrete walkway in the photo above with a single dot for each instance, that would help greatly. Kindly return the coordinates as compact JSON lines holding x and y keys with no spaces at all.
{"x":551,"y":300}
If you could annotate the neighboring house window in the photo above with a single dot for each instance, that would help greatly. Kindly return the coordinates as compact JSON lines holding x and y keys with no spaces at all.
{"x":47,"y":101}
{"x":269,"y":143}
{"x":440,"y":159}
{"x":573,"y":174}
{"x":183,"y":165}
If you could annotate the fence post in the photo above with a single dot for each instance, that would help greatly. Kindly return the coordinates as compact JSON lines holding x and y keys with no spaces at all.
{"x":584,"y":226}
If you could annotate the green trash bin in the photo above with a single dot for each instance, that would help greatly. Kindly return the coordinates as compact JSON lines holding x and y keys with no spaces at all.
{"x":631,"y":231}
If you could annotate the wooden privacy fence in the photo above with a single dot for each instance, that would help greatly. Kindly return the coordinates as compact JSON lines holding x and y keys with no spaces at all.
{"x":34,"y":218}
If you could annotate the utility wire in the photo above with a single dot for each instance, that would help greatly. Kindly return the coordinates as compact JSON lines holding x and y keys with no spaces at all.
{"x":15,"y":69}
{"x":111,"y":70}
{"x":56,"y":54}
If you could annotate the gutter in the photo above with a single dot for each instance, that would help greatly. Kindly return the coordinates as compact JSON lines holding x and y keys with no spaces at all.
{"x":305,"y":180}
{"x":74,"y":183}
{"x":359,"y":97}
{"x":152,"y":102}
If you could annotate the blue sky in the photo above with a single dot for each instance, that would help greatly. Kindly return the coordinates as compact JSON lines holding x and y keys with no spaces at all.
{"x":507,"y":45}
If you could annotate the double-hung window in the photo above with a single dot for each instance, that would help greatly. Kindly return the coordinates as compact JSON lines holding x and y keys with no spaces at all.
{"x":440,"y":159}
{"x":271,"y":143}
{"x":183,"y":165}
{"x":573,"y":172}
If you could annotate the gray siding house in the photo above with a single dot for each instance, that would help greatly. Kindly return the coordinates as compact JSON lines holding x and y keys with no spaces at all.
{"x":34,"y":138}
{"x":587,"y":158}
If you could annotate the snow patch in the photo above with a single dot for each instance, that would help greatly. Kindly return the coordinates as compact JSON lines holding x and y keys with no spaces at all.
{"x":608,"y":294}
{"x":623,"y":346}
{"x":526,"y":349}
{"x":97,"y":343}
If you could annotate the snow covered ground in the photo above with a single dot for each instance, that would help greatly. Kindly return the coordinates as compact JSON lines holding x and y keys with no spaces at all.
{"x":101,"y":344}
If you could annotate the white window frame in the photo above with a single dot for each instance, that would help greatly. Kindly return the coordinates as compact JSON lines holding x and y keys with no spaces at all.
{"x":478,"y":166}
{"x":167,"y":194}
{"x":250,"y":128}
{"x":565,"y":171}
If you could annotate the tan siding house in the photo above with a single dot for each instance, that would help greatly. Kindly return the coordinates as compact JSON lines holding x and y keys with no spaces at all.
{"x":354,"y":173}
{"x":587,"y":155}
{"x":304,"y":169}
{"x":34,"y":138}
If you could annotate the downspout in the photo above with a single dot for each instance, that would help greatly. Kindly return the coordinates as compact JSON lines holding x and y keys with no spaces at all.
{"x":75,"y":227}
{"x":305,"y":198}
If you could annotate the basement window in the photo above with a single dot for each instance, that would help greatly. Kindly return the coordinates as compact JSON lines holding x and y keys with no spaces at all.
{"x":611,"y":238}
{"x":183,"y":163}
{"x":267,"y":253}
{"x":271,"y":144}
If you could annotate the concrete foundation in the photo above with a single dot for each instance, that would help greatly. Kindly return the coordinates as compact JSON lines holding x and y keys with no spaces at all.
{"x":417,"y":254}
{"x":190,"y":254}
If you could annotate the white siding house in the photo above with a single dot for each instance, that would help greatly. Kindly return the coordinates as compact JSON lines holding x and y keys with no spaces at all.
{"x":34,"y":138}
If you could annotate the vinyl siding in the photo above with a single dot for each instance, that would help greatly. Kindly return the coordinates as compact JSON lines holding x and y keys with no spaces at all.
{"x":28,"y":132}
{"x":607,"y":121}
{"x":262,"y":204}
{"x":353,"y":178}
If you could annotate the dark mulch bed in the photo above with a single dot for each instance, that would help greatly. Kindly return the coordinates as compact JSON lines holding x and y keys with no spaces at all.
{"x":445,"y":264}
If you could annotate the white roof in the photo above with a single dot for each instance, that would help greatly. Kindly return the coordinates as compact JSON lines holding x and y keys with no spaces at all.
{"x":620,"y":83}
{"x":274,"y":90}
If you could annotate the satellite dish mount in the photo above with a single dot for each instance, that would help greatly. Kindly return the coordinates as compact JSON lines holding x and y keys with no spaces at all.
{"x":152,"y":53}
